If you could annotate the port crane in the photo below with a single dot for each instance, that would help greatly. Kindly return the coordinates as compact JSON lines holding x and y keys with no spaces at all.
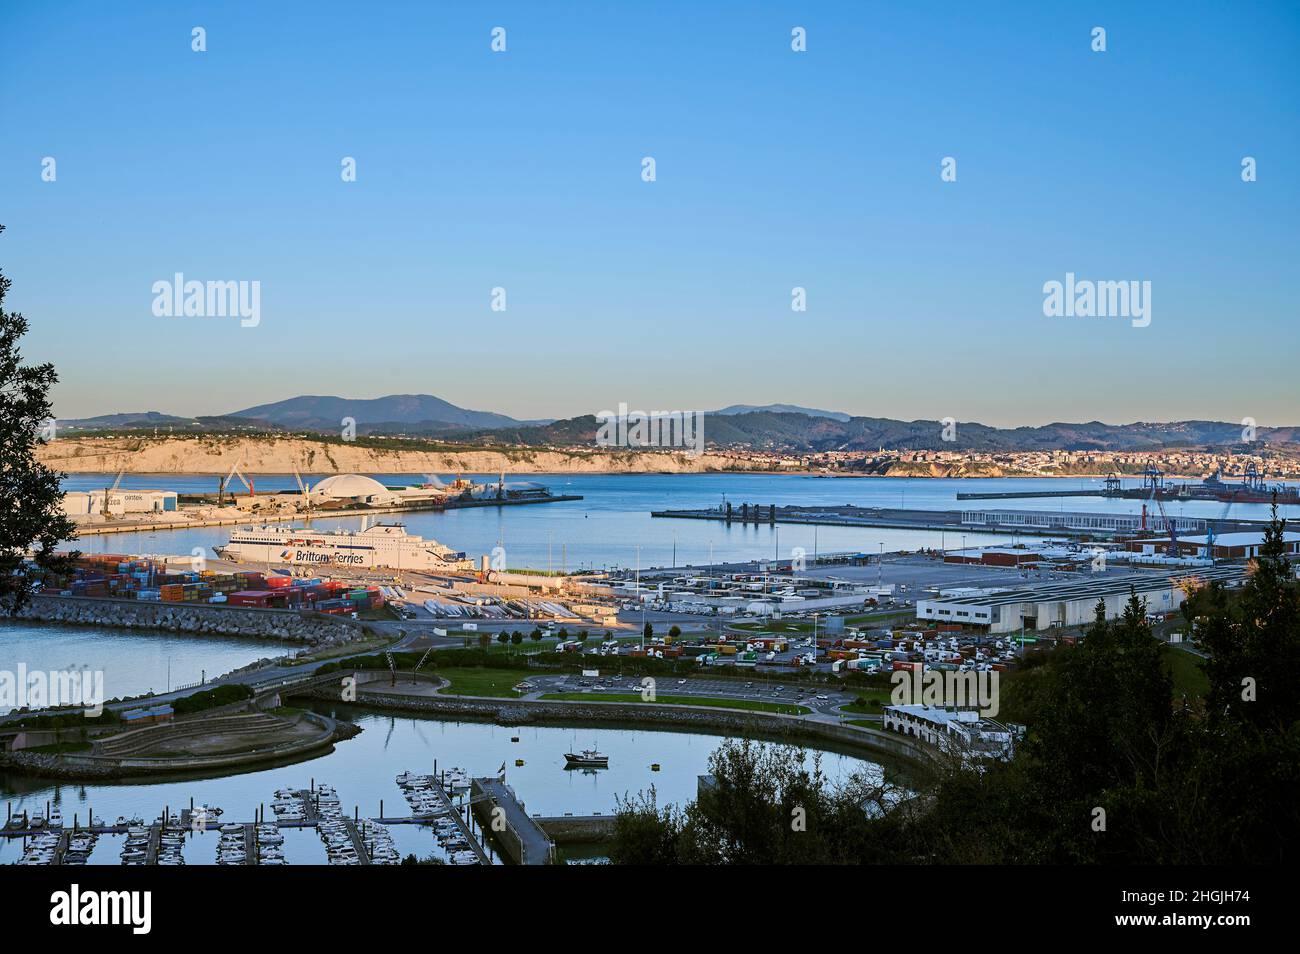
{"x":1254,"y":480}
{"x":1153,"y":479}
{"x":1212,"y":533}
{"x":234,"y":472}
{"x":109,"y":491}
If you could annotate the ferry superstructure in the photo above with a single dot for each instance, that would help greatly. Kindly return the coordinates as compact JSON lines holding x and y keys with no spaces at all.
{"x":383,"y":545}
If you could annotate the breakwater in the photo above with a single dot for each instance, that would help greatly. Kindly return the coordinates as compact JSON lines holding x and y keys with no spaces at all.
{"x":310,"y":629}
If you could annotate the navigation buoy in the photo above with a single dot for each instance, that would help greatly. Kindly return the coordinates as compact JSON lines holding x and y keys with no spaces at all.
{"x":654,"y":766}
{"x":519,"y":763}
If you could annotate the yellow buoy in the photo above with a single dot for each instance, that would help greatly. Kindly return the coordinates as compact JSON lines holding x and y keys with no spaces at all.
{"x":519,"y":762}
{"x":654,"y":766}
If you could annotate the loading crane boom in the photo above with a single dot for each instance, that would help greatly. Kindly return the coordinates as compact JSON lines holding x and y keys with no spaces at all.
{"x":1154,"y":479}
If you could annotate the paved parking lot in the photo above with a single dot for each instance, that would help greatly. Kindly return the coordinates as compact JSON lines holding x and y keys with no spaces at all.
{"x":820,"y":699}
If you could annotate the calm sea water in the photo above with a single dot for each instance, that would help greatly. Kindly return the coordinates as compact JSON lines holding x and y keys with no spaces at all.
{"x":132,"y":661}
{"x":363,"y":769}
{"x":606,"y":527}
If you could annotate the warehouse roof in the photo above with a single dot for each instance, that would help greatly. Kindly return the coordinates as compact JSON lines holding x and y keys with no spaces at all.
{"x":1240,"y":539}
{"x":1094,"y":589}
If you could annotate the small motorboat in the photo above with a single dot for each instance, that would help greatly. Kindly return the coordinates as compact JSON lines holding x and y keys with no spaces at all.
{"x":587,"y":758}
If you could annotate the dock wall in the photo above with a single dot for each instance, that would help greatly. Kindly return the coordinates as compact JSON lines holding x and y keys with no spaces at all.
{"x":871,"y":742}
{"x":313,"y":629}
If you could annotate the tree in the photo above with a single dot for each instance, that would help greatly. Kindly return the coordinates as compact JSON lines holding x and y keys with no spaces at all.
{"x":644,"y":834}
{"x":535,"y":635}
{"x":31,"y":512}
{"x":1255,"y":652}
{"x":484,"y":640}
{"x":503,"y":637}
{"x":649,"y":631}
{"x":675,"y":631}
{"x":516,"y":637}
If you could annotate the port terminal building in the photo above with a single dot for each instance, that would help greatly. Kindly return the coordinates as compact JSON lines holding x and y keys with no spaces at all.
{"x":1226,"y":546}
{"x":1052,"y":605}
{"x":1044,"y":521}
{"x":78,"y":503}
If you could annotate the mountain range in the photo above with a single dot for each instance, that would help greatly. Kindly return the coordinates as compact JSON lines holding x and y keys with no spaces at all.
{"x":775,"y":427}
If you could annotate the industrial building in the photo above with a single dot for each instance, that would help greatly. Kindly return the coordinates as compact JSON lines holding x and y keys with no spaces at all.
{"x":1227,"y":546}
{"x":961,"y":731}
{"x":994,"y":556}
{"x":78,"y":503}
{"x":1066,"y":604}
{"x":1044,"y":521}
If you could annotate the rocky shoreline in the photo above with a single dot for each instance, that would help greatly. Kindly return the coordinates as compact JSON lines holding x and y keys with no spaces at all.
{"x":312,"y":631}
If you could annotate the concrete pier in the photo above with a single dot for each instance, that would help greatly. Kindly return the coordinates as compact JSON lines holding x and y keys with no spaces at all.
{"x":499,"y":811}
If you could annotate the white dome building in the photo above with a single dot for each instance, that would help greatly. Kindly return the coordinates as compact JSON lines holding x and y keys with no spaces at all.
{"x":353,"y":487}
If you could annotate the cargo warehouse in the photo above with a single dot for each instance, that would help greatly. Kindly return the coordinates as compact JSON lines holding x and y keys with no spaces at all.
{"x":1066,"y":604}
{"x":1226,"y":546}
{"x":78,"y":503}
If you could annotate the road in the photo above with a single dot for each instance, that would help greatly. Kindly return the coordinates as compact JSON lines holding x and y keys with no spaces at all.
{"x":823,"y":702}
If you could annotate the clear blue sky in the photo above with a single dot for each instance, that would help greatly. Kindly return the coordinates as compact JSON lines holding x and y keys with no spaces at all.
{"x":775,"y":169}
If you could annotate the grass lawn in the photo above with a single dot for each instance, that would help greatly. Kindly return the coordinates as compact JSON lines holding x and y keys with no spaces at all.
{"x":751,"y":705}
{"x":864,"y":723}
{"x":869,"y":700}
{"x":499,"y":683}
{"x":58,"y":748}
{"x":527,"y":647}
{"x":1187,"y":674}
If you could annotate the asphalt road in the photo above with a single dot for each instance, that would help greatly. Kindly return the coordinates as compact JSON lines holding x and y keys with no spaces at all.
{"x":735,"y":689}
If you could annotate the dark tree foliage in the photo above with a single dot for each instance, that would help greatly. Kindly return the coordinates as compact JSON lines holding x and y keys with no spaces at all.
{"x":1114,"y":769}
{"x":31,"y":516}
{"x":1255,"y":650}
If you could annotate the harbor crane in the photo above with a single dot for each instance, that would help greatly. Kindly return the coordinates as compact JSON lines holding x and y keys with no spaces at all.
{"x":109,"y":491}
{"x":304,"y":490}
{"x":234,"y":472}
{"x":1254,"y":479}
{"x":1153,"y":479}
{"x":1212,"y":533}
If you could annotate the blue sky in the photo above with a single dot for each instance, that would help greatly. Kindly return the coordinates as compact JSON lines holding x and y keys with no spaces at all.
{"x":775,"y":169}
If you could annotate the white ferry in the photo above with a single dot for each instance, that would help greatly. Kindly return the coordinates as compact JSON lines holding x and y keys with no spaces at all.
{"x":383,"y":545}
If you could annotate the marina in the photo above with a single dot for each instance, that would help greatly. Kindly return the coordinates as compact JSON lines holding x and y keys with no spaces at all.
{"x":372,"y":765}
